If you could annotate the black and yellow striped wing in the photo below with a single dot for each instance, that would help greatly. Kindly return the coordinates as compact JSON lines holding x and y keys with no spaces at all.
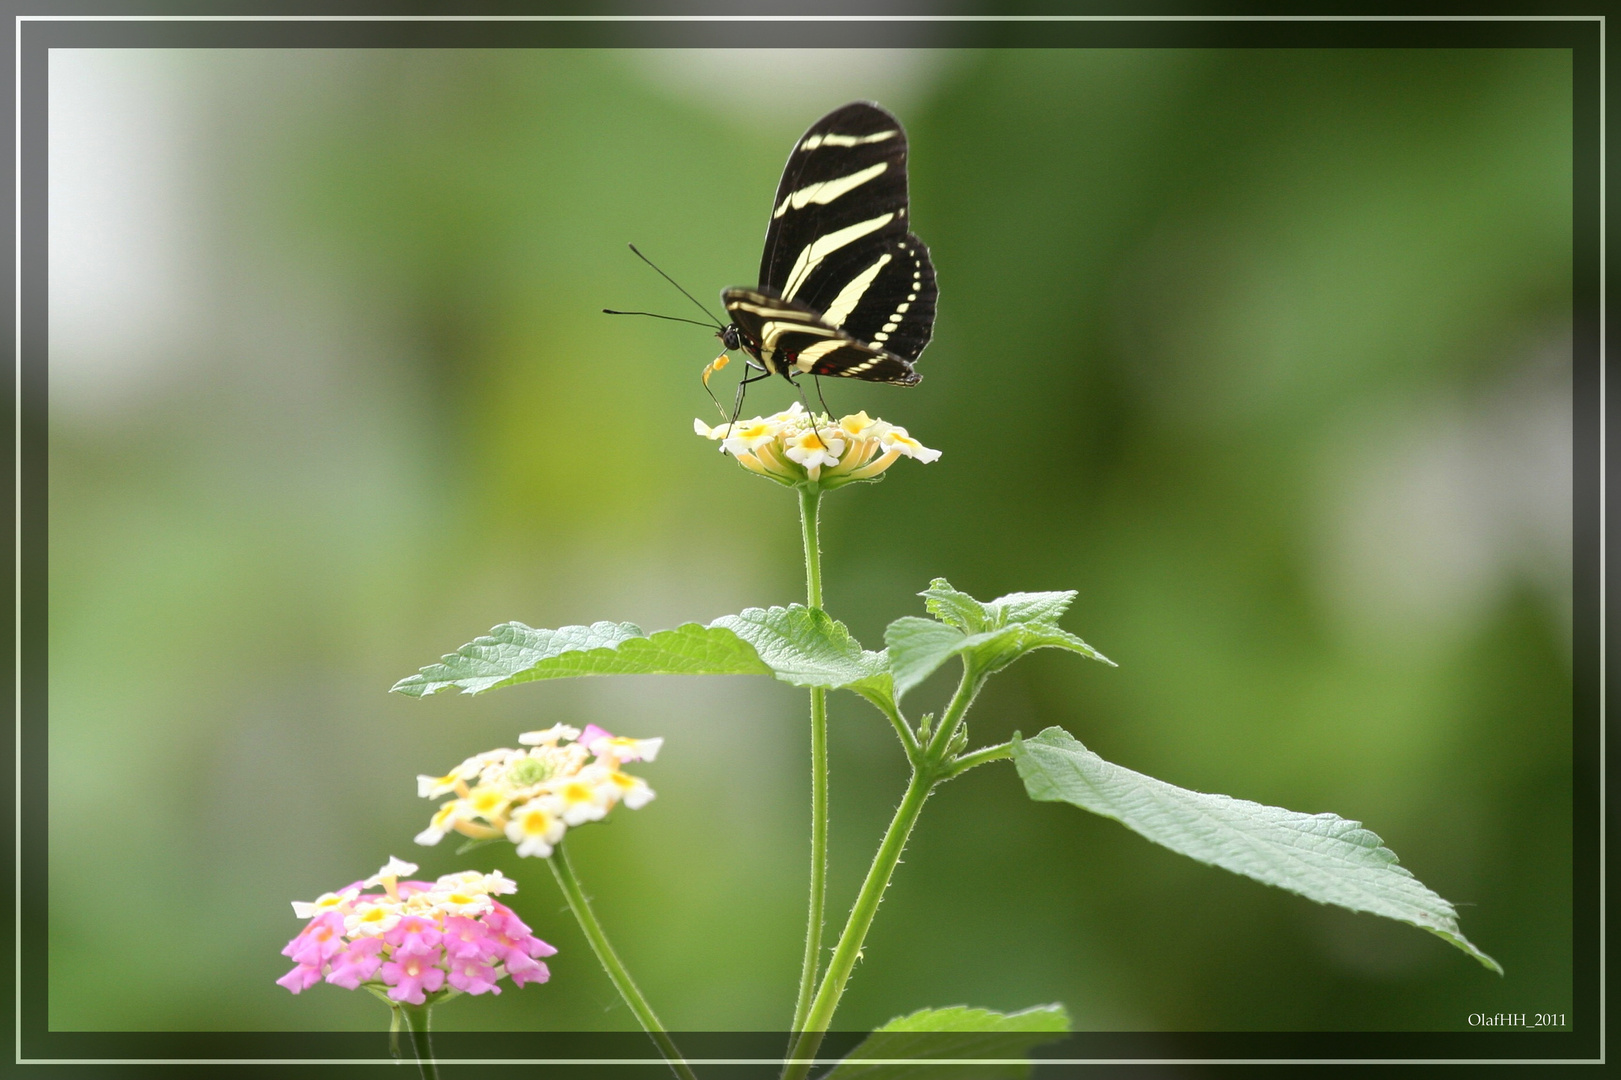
{"x":845,"y":288}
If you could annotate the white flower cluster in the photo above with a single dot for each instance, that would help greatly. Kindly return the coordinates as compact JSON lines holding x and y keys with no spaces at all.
{"x":793,"y":447}
{"x":567,"y":777}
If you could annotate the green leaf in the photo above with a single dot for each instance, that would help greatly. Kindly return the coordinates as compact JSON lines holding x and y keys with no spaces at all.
{"x":929,"y":1038}
{"x":1323,"y":857}
{"x":973,"y":617}
{"x":989,"y":636}
{"x":799,"y":645}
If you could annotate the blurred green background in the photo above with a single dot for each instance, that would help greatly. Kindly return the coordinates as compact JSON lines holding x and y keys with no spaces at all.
{"x":1264,"y":352}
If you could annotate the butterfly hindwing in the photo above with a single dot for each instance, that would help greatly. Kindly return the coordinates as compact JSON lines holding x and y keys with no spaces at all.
{"x":882,"y":294}
{"x":845,"y":288}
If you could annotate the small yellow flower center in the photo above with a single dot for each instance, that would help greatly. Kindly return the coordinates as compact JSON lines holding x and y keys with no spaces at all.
{"x":485,"y":800}
{"x":537,"y":823}
{"x":577,"y":792}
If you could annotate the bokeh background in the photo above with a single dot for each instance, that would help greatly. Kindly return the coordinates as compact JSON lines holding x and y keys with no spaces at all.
{"x":1266,"y":353}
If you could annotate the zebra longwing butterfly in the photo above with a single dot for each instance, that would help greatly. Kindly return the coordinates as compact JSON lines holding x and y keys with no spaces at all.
{"x":845,"y":289}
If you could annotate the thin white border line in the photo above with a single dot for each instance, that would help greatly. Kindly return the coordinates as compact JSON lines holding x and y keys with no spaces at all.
{"x":17,"y":531}
{"x":17,"y":477}
{"x":1603,"y":531}
{"x":811,"y":18}
{"x":818,"y":1061}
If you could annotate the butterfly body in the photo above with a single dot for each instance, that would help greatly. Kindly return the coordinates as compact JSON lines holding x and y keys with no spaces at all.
{"x":845,"y":288}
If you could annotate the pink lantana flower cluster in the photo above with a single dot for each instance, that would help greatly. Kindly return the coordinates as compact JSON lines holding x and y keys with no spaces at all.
{"x":532,"y":797}
{"x":415,"y":939}
{"x":793,"y":447}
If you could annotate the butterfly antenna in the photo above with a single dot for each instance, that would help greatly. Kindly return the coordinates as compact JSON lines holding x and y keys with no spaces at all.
{"x":652,"y":315}
{"x":672,"y":281}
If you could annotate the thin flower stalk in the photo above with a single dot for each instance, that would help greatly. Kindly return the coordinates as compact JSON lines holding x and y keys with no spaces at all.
{"x":580,"y":905}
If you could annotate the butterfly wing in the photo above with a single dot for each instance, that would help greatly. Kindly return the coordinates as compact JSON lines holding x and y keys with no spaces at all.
{"x":838,"y":253}
{"x":790,"y":334}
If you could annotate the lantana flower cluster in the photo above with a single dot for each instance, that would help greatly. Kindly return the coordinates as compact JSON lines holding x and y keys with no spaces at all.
{"x":566,"y":778}
{"x":793,"y":447}
{"x":415,"y":938}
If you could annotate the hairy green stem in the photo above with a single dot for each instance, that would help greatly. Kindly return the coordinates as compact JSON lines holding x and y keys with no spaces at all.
{"x":587,"y":919}
{"x":855,"y":929}
{"x":904,"y":733}
{"x":960,"y":765}
{"x":818,"y":875}
{"x":416,"y":1018}
{"x":967,"y":689}
{"x":809,"y":505}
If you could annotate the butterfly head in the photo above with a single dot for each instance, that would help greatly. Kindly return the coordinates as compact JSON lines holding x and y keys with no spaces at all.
{"x":730,"y":337}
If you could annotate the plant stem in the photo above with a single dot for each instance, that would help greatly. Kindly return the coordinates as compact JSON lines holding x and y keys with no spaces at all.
{"x":979,"y":757}
{"x":809,"y":502}
{"x":587,"y":919}
{"x":855,"y":929}
{"x":904,"y":733}
{"x":818,"y":871}
{"x":967,"y":689}
{"x":809,"y":505}
{"x":416,"y":1018}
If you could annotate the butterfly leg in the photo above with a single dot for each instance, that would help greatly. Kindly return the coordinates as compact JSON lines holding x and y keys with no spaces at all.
{"x":825,"y":410}
{"x":737,"y":404}
{"x":814,"y":425}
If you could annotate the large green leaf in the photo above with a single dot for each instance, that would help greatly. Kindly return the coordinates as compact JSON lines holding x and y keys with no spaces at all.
{"x":921,"y":1044}
{"x":798,"y":645}
{"x":1322,"y":857}
{"x":988,"y":636}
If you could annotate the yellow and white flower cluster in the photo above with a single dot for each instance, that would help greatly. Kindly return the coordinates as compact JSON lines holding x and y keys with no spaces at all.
{"x":567,"y":777}
{"x":793,"y":447}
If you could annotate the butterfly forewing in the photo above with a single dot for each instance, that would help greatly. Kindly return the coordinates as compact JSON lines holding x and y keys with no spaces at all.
{"x":845,"y":179}
{"x":845,"y":288}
